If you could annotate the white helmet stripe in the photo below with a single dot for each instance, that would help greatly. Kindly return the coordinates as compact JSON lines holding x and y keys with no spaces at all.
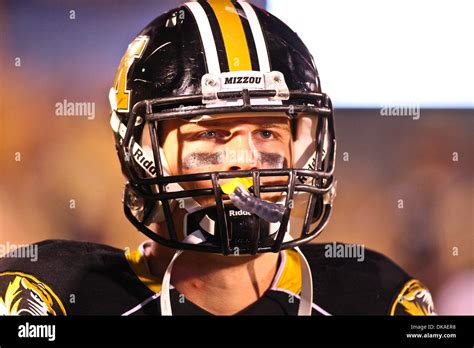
{"x":257,"y":33}
{"x":207,"y":38}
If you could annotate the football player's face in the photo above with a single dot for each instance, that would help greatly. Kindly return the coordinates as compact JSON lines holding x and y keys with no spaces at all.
{"x":230,"y":143}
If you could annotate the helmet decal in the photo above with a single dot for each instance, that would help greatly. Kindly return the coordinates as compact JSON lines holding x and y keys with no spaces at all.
{"x":119,"y":91}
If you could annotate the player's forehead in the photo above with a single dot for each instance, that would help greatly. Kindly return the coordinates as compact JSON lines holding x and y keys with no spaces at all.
{"x":266,"y":120}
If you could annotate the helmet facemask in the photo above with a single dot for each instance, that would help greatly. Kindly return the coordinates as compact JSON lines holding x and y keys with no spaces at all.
{"x":305,"y":187}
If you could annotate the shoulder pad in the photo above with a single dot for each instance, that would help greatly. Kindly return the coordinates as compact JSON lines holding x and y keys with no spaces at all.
{"x":34,"y":278}
{"x":353,"y":280}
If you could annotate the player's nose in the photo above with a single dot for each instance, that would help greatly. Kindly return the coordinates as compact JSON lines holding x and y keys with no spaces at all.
{"x":240,"y":153}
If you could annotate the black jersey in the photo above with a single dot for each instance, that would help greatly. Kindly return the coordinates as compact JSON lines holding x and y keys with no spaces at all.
{"x":78,"y":278}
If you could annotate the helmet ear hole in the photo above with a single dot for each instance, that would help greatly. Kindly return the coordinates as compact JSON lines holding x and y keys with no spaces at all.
{"x":140,"y":207}
{"x":134,"y":202}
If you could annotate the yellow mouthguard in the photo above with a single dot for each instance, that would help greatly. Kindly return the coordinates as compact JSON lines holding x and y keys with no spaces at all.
{"x":230,"y":187}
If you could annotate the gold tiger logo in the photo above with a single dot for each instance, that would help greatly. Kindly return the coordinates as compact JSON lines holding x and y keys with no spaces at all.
{"x":26,"y":295}
{"x":414,"y":299}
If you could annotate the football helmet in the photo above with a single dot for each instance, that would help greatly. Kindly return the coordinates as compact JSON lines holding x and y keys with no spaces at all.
{"x":208,"y":60}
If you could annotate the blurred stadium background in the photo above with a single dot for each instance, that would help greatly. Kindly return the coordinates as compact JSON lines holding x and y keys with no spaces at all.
{"x":371,"y":55}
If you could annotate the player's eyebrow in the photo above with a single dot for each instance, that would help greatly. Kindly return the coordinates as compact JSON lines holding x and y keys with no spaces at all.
{"x":283,"y":126}
{"x":219,"y":123}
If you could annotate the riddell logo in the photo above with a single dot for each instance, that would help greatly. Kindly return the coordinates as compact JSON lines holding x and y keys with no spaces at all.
{"x":242,"y":79}
{"x":148,"y":165}
{"x":238,"y":213}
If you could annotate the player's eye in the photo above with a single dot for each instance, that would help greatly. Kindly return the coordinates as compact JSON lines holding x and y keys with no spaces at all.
{"x":208,"y":134}
{"x":265,"y":134}
{"x":219,"y":134}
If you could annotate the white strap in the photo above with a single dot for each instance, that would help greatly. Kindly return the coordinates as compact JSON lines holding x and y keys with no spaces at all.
{"x":165,"y":302}
{"x":306,"y":298}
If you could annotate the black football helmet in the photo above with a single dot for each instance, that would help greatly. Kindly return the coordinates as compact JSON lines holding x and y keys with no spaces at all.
{"x":208,"y":59}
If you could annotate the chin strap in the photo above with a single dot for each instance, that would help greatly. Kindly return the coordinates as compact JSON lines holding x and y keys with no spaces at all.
{"x":306,"y":298}
{"x":194,"y":238}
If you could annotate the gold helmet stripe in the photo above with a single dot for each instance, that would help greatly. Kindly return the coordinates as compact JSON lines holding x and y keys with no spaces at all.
{"x":233,"y":35}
